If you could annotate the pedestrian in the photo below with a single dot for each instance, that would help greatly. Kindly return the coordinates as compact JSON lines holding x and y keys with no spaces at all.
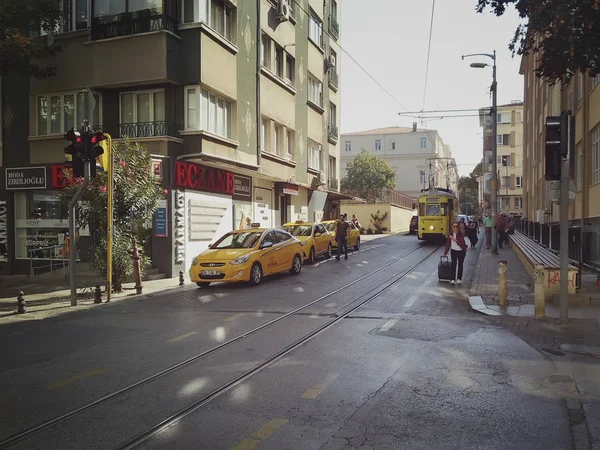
{"x":487,"y":223}
{"x":341,"y":237}
{"x":501,"y":229}
{"x":458,"y":250}
{"x":472,"y":233}
{"x":462,"y":226}
{"x":355,"y":221}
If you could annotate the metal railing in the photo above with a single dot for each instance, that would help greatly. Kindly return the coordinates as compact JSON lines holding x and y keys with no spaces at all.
{"x":332,"y":133}
{"x":398,"y":199}
{"x":46,"y":253}
{"x":334,"y":27}
{"x":333,"y":184}
{"x":147,"y":129}
{"x":333,"y":78}
{"x":127,"y":24}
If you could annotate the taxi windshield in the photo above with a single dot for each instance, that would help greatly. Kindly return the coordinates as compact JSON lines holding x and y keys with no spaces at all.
{"x":247,"y":239}
{"x":298,"y":230}
{"x":330,"y":226}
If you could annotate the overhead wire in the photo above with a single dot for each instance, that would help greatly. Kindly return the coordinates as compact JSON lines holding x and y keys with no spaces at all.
{"x":428,"y":53}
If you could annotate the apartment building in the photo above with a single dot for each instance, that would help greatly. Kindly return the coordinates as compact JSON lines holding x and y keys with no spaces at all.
{"x":582,"y":97}
{"x":418,"y":156}
{"x":509,"y":140}
{"x":245,"y":91}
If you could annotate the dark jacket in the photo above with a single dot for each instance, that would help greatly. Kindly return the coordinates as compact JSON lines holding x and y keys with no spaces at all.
{"x":460,"y":240}
{"x":341,"y":232}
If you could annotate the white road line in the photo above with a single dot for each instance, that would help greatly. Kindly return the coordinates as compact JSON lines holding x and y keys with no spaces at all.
{"x":410,"y":301}
{"x":388,"y":325}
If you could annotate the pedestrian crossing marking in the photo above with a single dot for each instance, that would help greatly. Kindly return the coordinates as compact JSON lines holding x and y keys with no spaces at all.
{"x":261,"y":434}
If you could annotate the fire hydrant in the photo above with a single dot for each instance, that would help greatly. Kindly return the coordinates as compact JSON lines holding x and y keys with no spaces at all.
{"x":502,"y":283}
{"x":136,"y":268}
{"x":21,"y":303}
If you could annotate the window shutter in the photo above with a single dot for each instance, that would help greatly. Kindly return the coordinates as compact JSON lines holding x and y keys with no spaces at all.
{"x":512,"y":139}
{"x":513,"y":118}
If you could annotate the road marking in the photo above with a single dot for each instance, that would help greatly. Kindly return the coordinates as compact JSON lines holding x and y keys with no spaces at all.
{"x":261,"y":434}
{"x":183,"y":336}
{"x":235,"y":316}
{"x":79,"y":376}
{"x":314,"y":391}
{"x":388,"y":325}
{"x":410,"y":301}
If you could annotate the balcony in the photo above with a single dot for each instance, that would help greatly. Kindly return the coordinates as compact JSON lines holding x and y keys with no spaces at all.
{"x":334,"y":27}
{"x":333,"y":79}
{"x":333,"y":185}
{"x":332,"y":133}
{"x":128,"y":24}
{"x":147,"y":129}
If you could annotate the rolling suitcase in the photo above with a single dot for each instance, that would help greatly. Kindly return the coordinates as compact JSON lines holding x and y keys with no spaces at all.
{"x":445,"y":269}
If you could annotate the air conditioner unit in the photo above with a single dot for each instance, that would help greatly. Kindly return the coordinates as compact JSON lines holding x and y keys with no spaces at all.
{"x":321,"y":178}
{"x":330,"y":61}
{"x":284,"y":11}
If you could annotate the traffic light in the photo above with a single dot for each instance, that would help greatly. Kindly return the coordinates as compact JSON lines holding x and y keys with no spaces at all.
{"x":76,"y":151}
{"x":554,"y":147}
{"x":95,"y":150}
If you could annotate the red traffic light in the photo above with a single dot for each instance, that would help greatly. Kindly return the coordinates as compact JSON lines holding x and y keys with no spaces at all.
{"x":97,"y":138}
{"x":73,"y":136}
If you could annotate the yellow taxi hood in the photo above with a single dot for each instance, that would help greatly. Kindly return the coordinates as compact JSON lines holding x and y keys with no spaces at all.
{"x":303,"y":238}
{"x":224,"y":253}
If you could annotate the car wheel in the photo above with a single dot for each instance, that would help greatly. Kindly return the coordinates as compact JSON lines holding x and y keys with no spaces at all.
{"x":203,"y":284}
{"x":357,"y":245}
{"x":311,"y":256}
{"x":296,"y":265}
{"x":256,"y":274}
{"x":328,"y":254}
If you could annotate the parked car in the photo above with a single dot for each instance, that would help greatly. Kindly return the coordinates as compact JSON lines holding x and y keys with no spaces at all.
{"x":413,"y":225}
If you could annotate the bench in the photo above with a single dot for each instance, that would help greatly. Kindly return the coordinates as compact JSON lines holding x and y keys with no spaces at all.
{"x":542,"y":265}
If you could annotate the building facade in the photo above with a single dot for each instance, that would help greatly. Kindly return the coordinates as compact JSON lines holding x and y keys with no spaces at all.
{"x":418,"y":156}
{"x":582,"y":97}
{"x":509,"y":139}
{"x":243,"y":91}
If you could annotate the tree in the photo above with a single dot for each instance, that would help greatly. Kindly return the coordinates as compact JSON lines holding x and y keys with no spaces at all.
{"x":20,"y":50}
{"x":570,"y":31}
{"x":367,"y":175}
{"x":468,"y":189}
{"x":136,"y":195}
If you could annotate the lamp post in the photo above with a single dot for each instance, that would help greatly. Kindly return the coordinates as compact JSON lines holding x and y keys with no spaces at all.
{"x":494,"y":111}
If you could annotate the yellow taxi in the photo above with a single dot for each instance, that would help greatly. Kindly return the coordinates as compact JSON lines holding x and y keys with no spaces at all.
{"x":247,"y":255}
{"x":353,"y":238}
{"x":315,"y":238}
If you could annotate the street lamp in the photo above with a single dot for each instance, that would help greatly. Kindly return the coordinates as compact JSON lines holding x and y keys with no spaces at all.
{"x":494,"y":89}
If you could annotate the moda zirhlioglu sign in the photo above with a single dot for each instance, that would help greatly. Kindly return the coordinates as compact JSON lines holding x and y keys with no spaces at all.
{"x":19,"y":178}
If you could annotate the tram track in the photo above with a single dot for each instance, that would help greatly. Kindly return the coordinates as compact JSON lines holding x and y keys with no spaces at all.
{"x":180,"y":415}
{"x":30,"y":432}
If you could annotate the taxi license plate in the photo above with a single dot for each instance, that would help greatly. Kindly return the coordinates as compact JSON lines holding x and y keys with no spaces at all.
{"x":210,"y":272}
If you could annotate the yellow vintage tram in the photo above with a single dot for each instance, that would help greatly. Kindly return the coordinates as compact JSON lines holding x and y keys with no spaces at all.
{"x":437,"y":212}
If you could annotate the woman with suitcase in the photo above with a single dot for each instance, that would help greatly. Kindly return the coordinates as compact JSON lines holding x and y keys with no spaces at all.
{"x":458,"y":250}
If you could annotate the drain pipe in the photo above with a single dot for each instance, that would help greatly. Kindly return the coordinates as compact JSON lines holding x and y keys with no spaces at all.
{"x":258,"y":65}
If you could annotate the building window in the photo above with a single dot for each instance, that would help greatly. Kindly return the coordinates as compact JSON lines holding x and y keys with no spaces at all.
{"x":422,"y":177}
{"x":75,"y":15}
{"x":348,"y":146}
{"x":332,"y":114}
{"x":104,"y":8}
{"x":264,"y":135}
{"x":332,"y":168}
{"x":504,"y":118}
{"x":505,"y":202}
{"x":377,"y":144}
{"x":290,"y":68}
{"x":315,"y":155}
{"x":518,"y":182}
{"x":216,"y":13}
{"x":278,"y":143}
{"x":315,"y":91}
{"x":504,"y":160}
{"x":518,"y":202}
{"x":333,"y":9}
{"x":579,"y":153}
{"x":505,"y":182}
{"x":279,"y":61}
{"x":423,"y":142}
{"x":580,"y":90}
{"x":596,"y":155}
{"x":315,"y":29}
{"x":206,"y":111}
{"x":290,"y":144}
{"x":265,"y":51}
{"x":58,"y":113}
{"x":141,"y":111}
{"x":503,"y":139}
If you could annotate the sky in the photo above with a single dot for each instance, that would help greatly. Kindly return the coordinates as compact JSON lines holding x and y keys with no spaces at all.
{"x":389,"y":39}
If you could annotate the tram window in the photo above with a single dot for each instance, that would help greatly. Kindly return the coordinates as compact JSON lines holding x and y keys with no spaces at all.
{"x":422,"y":209}
{"x":433,"y":210}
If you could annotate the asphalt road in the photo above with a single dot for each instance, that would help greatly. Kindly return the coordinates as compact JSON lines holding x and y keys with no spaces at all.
{"x":412,"y":368}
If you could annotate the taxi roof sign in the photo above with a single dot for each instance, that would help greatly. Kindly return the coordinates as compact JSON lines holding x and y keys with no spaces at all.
{"x":255,"y":225}
{"x":299,"y":221}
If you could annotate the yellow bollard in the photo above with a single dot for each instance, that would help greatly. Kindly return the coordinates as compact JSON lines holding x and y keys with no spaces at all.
{"x":502,"y":283}
{"x":540,"y":299}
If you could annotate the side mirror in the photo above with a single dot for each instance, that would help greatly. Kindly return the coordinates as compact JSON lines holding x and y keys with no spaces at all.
{"x":267,"y":244}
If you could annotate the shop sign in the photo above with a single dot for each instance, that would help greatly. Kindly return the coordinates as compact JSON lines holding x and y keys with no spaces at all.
{"x":58,"y":180}
{"x":194,"y":176}
{"x":160,"y":222}
{"x":241,"y":185}
{"x":3,"y":230}
{"x":179,"y":227}
{"x":290,"y":191}
{"x":157,"y":168}
{"x":18,"y":178}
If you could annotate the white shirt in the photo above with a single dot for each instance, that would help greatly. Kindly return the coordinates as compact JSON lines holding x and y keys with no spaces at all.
{"x":454,"y":245}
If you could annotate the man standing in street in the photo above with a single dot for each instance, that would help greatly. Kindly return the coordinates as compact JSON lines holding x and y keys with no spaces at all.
{"x":341,"y":236}
{"x":487,"y":223}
